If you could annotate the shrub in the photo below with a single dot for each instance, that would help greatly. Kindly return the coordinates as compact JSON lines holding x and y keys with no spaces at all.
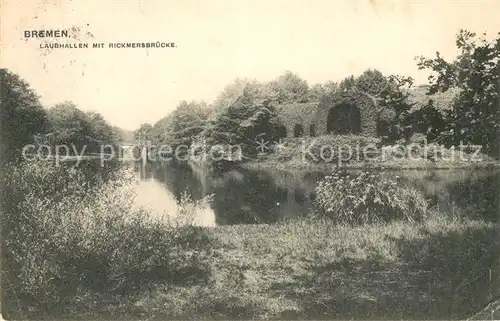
{"x":70,"y":238}
{"x":418,"y":138}
{"x":335,"y":148}
{"x":367,"y":198}
{"x":287,"y":152}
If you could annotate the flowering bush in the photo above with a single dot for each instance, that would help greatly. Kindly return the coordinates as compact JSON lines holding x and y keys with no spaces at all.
{"x":367,"y":198}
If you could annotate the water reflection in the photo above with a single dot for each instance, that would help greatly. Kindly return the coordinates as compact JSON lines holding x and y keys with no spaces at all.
{"x":151,"y":193}
{"x":239,"y":196}
{"x":250,"y":197}
{"x":471,"y":193}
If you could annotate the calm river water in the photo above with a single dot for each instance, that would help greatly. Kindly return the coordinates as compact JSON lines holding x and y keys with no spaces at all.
{"x":250,"y":197}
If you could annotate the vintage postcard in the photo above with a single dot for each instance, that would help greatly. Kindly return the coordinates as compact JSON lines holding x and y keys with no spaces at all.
{"x":236,"y":159}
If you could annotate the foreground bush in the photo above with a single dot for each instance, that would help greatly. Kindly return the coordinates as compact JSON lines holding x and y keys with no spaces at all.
{"x":366,"y":198}
{"x":65,"y":237}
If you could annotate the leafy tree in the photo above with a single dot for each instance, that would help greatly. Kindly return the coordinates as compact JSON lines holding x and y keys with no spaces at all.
{"x":317,"y":91}
{"x":372,"y":81}
{"x":21,"y":115}
{"x":144,"y":133}
{"x":123,"y":135}
{"x":230,"y":93}
{"x":430,"y":114}
{"x":100,"y":129}
{"x":290,"y":88}
{"x":394,"y":98}
{"x":188,"y":121}
{"x":389,"y":95}
{"x":71,"y":126}
{"x":181,"y":127}
{"x":429,"y":121}
{"x":161,"y":134}
{"x":475,"y":117}
{"x":347,"y":83}
{"x":245,"y":121}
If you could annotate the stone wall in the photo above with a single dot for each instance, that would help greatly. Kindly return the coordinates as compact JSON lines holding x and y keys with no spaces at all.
{"x":319,"y":114}
{"x":303,"y":114}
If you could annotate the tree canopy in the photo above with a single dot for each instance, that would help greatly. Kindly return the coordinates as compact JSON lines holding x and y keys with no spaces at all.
{"x":21,"y":115}
{"x":24,"y":121}
{"x":69,"y":125}
{"x":290,"y":88}
{"x":244,"y":121}
{"x":475,"y":116}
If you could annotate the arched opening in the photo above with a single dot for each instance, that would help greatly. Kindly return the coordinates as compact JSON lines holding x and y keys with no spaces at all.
{"x":298,"y":130}
{"x":312,"y":130}
{"x":299,"y":195}
{"x":382,"y":128}
{"x":344,"y":119}
{"x":282,"y":194}
{"x":281,"y":131}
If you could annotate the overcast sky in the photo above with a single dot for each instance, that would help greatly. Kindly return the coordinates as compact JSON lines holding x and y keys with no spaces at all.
{"x":220,"y":40}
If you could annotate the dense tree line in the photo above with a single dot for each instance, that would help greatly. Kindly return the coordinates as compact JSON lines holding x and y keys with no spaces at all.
{"x":24,"y":121}
{"x":460,"y":104}
{"x":243,"y":108}
{"x":246,"y":110}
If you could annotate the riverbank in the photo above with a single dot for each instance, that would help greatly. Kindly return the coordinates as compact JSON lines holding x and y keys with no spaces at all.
{"x":329,"y":153}
{"x":271,"y":164}
{"x":313,"y":270}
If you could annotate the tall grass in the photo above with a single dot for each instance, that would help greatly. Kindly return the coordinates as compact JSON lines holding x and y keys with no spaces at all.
{"x":66,"y":236}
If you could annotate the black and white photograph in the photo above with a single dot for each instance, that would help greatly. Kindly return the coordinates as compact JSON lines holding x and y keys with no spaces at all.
{"x":250,"y":160}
